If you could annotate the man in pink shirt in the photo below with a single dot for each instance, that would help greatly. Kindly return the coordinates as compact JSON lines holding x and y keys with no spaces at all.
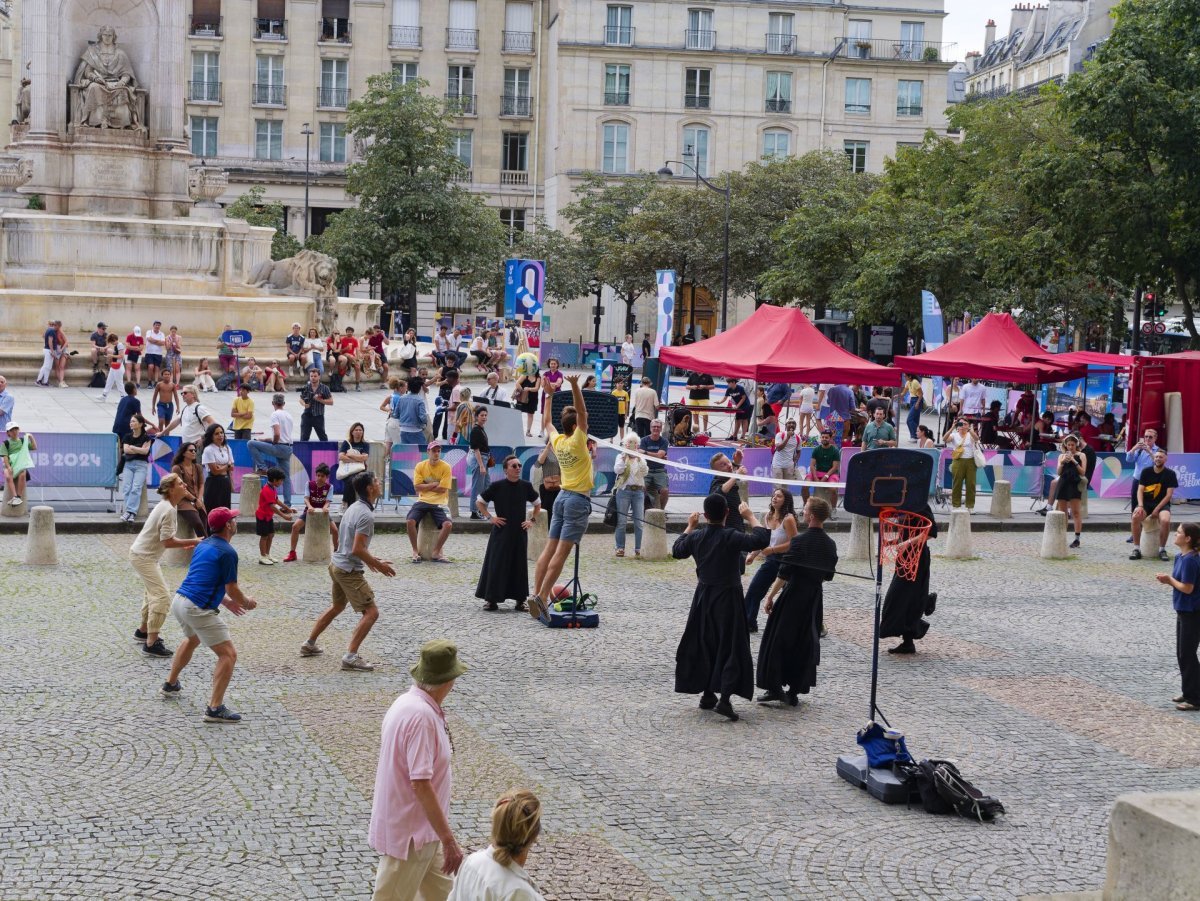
{"x":410,"y":814}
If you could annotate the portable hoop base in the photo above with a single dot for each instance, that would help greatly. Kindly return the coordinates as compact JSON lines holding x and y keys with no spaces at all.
{"x":575,"y":619}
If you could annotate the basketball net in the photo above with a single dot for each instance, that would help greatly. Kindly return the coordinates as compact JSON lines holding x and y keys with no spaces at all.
{"x":902,"y":537}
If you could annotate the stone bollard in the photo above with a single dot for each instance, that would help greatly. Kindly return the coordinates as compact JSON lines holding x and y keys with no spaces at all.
{"x":453,"y":499}
{"x":958,"y":545}
{"x":1054,"y":536}
{"x":9,"y":510}
{"x":41,"y":548}
{"x":179,"y":556}
{"x":1083,"y":506}
{"x":427,"y":535}
{"x":379,"y":463}
{"x":655,"y":544}
{"x":317,"y":548}
{"x":1149,"y":543}
{"x":248,"y":494}
{"x":1001,"y":500}
{"x":143,"y":503}
{"x":538,"y":535}
{"x":1153,"y":846}
{"x":860,"y":538}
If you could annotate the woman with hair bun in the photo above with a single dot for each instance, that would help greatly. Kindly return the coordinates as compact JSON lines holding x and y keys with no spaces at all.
{"x":497,"y":872}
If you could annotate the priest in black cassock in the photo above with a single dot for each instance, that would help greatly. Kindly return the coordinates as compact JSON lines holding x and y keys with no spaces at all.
{"x":714,"y":654}
{"x":505,"y":572}
{"x":791,"y":644}
{"x":908,"y":600}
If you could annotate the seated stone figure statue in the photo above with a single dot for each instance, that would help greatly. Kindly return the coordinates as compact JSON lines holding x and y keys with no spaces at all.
{"x":107,"y":85}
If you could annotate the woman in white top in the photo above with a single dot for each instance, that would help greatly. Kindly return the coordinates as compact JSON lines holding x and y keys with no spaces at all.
{"x":925,"y":436}
{"x":630,"y":489}
{"x":314,"y":351}
{"x":781,"y":520}
{"x":156,"y":536}
{"x":496,"y":873}
{"x":408,"y":352}
{"x":962,"y":440}
{"x":480,"y":352}
{"x":807,"y":394}
{"x":217,"y":458}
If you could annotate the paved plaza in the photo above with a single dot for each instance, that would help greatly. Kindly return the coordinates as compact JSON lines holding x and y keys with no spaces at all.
{"x":1047,"y":681}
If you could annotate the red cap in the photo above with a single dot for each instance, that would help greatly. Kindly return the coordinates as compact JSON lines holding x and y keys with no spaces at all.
{"x":219,"y":518}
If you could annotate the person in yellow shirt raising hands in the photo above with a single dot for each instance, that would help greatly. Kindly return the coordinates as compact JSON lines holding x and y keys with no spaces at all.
{"x":573,"y":504}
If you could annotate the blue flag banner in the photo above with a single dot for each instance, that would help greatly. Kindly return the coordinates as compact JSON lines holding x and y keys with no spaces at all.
{"x":666,"y":309}
{"x":931,"y":318}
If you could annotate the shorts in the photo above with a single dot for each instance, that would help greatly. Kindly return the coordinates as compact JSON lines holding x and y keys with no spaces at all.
{"x":783,"y":472}
{"x":657,"y":480}
{"x":570,"y":516}
{"x":351,"y":588}
{"x":197,"y":622}
{"x":420,"y":509}
{"x":153,"y":360}
{"x":133,"y":355}
{"x":697,"y":402}
{"x":174,"y":359}
{"x":165,"y":411}
{"x":264,"y":527}
{"x":620,"y":420}
{"x":741,"y":416}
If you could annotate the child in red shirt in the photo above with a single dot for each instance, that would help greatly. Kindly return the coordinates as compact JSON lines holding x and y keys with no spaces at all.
{"x":264,"y":517}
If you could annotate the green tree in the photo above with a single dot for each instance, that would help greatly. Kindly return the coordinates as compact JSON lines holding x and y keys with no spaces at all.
{"x":255,"y":210}
{"x":413,"y":219}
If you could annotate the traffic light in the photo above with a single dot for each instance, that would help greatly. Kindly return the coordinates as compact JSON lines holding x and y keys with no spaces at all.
{"x":1156,"y":307}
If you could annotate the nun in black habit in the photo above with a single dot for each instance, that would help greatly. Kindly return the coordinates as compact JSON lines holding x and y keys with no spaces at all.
{"x":908,"y":600}
{"x":791,"y":644}
{"x":713,"y":657}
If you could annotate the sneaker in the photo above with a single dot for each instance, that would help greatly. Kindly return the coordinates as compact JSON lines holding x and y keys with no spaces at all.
{"x":537,"y":607}
{"x":356,"y":663}
{"x":290,"y":558}
{"x":309,"y":649}
{"x":139,"y":636}
{"x":1129,"y":540}
{"x":1136,"y":555}
{"x":1074,"y":543}
{"x":264,"y":560}
{"x":17,"y":501}
{"x":222,"y":715}
{"x":1163,"y":555}
{"x":158,"y":649}
{"x":127,"y":517}
{"x":171,"y":689}
{"x":726,"y":710}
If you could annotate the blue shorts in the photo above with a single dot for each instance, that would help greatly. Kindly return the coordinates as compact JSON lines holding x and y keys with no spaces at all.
{"x":166,"y":411}
{"x":570,"y":517}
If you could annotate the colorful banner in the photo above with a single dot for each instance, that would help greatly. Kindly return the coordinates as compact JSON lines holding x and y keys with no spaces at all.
{"x":1093,"y":393}
{"x":70,"y":460}
{"x":931,"y":320}
{"x":666,"y":309}
{"x":524,"y":289}
{"x":306,"y":457}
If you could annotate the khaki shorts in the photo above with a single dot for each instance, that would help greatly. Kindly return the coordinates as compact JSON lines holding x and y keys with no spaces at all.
{"x":351,"y":588}
{"x":195,"y":622}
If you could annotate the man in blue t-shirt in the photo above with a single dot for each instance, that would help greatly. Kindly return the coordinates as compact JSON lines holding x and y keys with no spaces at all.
{"x":655,"y":445}
{"x":211,"y":581}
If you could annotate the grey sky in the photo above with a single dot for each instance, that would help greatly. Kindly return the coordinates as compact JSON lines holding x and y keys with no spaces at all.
{"x":963,"y":26}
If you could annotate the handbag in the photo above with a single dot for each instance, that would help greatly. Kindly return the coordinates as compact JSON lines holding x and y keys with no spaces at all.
{"x":980,"y":461}
{"x":345,"y":470}
{"x":610,"y":511}
{"x":491,"y":461}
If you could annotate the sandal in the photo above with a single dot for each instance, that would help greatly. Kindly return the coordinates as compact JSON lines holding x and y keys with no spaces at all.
{"x":442,"y":560}
{"x":620,"y":552}
{"x":1187,"y":705}
{"x":416,"y":558}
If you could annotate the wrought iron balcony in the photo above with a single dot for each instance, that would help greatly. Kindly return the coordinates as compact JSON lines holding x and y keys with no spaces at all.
{"x":268,"y":95}
{"x":516,"y":105}
{"x":858,"y":108}
{"x":270,"y":29}
{"x":333,"y":98}
{"x":781,"y":44}
{"x":205,"y":27}
{"x":699,"y":40}
{"x":334,"y":31}
{"x":405,"y":36}
{"x":616,"y":98}
{"x":462,"y":39}
{"x":902,"y":110}
{"x":518,"y":42}
{"x":696,"y":101}
{"x":461,"y":104}
{"x":204,"y":92}
{"x":891,"y":49}
{"x":778,"y":105}
{"x":618,"y":36}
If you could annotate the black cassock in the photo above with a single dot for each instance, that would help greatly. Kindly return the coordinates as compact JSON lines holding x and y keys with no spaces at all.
{"x":714,"y":653}
{"x":791,"y":644}
{"x":505,"y":572}
{"x":905,"y":602}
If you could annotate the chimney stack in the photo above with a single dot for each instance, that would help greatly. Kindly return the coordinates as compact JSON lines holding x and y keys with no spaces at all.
{"x":989,"y":33}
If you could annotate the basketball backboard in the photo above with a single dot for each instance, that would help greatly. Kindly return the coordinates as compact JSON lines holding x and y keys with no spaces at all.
{"x":886,"y":478}
{"x":601,"y":410}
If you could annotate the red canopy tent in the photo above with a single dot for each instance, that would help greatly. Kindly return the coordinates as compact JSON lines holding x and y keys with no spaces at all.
{"x":1086,"y":358}
{"x":777,"y":344}
{"x":995,"y":349}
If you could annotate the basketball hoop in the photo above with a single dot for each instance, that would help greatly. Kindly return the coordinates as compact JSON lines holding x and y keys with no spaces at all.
{"x":902,"y":536}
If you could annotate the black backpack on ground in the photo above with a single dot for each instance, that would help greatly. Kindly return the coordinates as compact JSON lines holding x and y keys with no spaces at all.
{"x":943,"y":789}
{"x":98,"y":380}
{"x":335,"y":383}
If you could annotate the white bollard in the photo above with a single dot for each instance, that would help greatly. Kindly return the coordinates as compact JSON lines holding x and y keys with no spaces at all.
{"x":1153,"y":846}
{"x":179,"y":556}
{"x":538,"y":535}
{"x":427,"y":536}
{"x":41,"y":548}
{"x":656,"y":543}
{"x":1083,"y":507}
{"x":453,"y":499}
{"x":248,"y":495}
{"x":1001,"y":500}
{"x":9,"y":510}
{"x":860,"y":538}
{"x":958,"y":544}
{"x":143,"y":503}
{"x":1054,"y":536}
{"x":317,"y":547}
{"x":379,"y":463}
{"x":1149,"y":543}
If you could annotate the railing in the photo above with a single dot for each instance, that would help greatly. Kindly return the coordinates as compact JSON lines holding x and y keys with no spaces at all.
{"x":334,"y":31}
{"x":202,"y":27}
{"x":514,"y":177}
{"x":518,"y":42}
{"x":858,"y":107}
{"x":699,"y":40}
{"x":333,"y":98}
{"x":461,"y":104}
{"x":909,"y":110}
{"x":696,"y":101}
{"x":781,"y":44}
{"x":268,"y":94}
{"x":778,"y":105}
{"x":462,"y":39}
{"x":616,"y":98}
{"x":270,"y":29}
{"x":518,"y":105}
{"x":204,"y":91}
{"x":466,"y":176}
{"x":892,"y":49}
{"x":405,"y":36}
{"x":618,"y":36}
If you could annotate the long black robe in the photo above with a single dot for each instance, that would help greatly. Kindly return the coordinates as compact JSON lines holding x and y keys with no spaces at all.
{"x":905,"y":602}
{"x":714,"y":653}
{"x":505,"y":572}
{"x":791,"y":644}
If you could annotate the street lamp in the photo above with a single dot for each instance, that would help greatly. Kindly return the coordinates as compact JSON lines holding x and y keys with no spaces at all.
{"x":307,"y":131}
{"x":727,"y":193}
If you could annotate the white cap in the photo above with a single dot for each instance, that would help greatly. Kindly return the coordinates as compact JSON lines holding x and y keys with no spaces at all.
{"x":137,"y":329}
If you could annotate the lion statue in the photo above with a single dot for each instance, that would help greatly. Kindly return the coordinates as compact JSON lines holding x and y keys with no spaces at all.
{"x":308,"y":272}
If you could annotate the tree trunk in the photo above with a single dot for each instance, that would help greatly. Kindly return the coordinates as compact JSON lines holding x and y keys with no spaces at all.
{"x":412,"y":298}
{"x":1181,"y":288}
{"x":1119,"y":325}
{"x":630,"y":299}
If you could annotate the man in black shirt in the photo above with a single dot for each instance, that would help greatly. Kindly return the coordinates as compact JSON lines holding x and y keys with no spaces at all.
{"x":314,"y":397}
{"x":99,"y":339}
{"x":1155,"y":489}
{"x":295,"y":348}
{"x":699,"y":384}
{"x":647,"y":348}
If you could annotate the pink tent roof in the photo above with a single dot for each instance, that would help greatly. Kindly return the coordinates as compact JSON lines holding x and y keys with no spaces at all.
{"x":995,"y":349}
{"x":778,"y":344}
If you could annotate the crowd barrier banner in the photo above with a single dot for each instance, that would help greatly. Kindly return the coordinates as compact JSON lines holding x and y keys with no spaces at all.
{"x":306,"y":457}
{"x":75,"y":460}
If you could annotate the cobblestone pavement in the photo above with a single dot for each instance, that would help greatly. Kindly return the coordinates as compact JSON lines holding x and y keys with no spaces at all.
{"x":1047,"y":681}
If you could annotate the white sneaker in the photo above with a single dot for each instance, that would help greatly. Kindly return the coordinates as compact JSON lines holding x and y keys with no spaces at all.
{"x":103,"y":398}
{"x":354,"y":662}
{"x":264,"y":560}
{"x":16,"y":501}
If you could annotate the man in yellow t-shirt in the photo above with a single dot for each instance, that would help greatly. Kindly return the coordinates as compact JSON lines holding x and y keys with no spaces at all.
{"x":573,"y":504}
{"x":243,"y":413}
{"x":431,"y":478}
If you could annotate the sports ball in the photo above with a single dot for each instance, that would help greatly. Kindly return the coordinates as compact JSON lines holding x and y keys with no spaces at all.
{"x":560,"y":592}
{"x":527,"y":365}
